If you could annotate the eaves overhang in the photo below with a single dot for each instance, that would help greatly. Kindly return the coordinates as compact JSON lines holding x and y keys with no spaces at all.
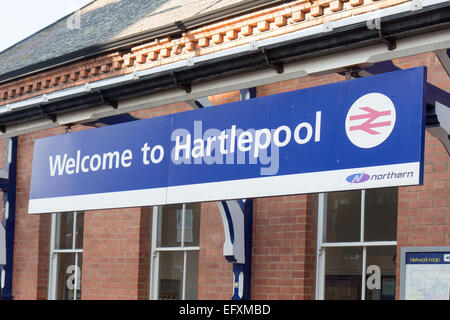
{"x":324,"y":40}
{"x":124,"y":44}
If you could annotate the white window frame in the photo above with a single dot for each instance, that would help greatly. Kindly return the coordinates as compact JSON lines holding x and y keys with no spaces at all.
{"x":156,"y":250}
{"x":322,"y":245}
{"x":55,"y":254}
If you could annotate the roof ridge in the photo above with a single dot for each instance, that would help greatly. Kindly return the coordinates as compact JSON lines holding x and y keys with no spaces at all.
{"x":46,"y":27}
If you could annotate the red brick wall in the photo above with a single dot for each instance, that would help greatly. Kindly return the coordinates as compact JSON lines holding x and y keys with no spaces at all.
{"x":297,"y":84}
{"x":161,"y":111}
{"x":423,"y":211}
{"x":114,"y":247}
{"x":144,"y":253}
{"x":32,"y":232}
{"x":284,"y":242}
{"x":436,"y":74}
{"x":215,"y":277}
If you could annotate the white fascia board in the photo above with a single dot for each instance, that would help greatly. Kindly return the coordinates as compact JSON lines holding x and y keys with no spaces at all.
{"x":167,"y":67}
{"x":79,"y":116}
{"x":21,"y":104}
{"x":411,"y":46}
{"x":86,"y":115}
{"x":28,"y":127}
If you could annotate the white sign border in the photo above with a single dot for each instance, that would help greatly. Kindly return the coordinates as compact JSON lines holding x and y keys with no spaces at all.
{"x":302,"y":183}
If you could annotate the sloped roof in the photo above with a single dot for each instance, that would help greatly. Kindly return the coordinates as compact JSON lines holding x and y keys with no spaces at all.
{"x":101,"y":21}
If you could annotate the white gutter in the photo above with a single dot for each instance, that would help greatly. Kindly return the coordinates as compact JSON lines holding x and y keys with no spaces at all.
{"x":361,"y":57}
{"x":439,"y":41}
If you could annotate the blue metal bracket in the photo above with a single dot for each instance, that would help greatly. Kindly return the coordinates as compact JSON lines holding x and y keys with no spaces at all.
{"x":8,"y":186}
{"x":444,"y":59}
{"x":437,"y":100}
{"x":237,"y":218}
{"x":108,"y":121}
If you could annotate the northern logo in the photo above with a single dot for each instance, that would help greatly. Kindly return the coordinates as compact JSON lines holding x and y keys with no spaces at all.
{"x":370,"y":120}
{"x":358,"y":178}
{"x":363,"y":177}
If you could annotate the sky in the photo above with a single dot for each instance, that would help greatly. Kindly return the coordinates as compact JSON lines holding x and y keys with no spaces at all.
{"x":21,"y":18}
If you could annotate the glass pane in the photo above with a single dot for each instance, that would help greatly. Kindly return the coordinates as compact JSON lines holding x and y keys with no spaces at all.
{"x":191,"y":292}
{"x":170,"y":226}
{"x":65,"y":237}
{"x":192,"y":225}
{"x":170,"y":275}
{"x":79,"y":230}
{"x":66,"y":276}
{"x":343,"y":274}
{"x":380,"y":284}
{"x":343,"y":219}
{"x":380,"y":221}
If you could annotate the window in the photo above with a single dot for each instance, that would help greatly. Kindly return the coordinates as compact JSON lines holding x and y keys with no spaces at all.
{"x":66,"y":256}
{"x":175,"y":252}
{"x":356,"y":245}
